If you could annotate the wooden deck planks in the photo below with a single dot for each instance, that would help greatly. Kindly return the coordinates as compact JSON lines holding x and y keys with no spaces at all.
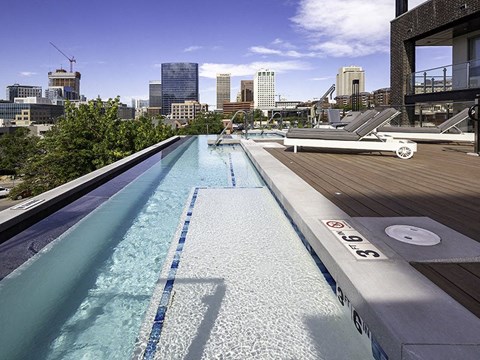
{"x":441,"y":182}
{"x":456,"y":280}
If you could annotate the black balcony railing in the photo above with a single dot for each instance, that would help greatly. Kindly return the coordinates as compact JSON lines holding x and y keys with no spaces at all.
{"x":447,"y":78}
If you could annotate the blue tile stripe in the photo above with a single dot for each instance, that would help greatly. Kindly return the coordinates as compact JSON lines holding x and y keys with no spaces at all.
{"x":157,"y":326}
{"x":377,"y":351}
{"x":232,"y":173}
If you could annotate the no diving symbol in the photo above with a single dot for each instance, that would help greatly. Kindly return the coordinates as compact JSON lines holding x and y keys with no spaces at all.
{"x":335,"y":224}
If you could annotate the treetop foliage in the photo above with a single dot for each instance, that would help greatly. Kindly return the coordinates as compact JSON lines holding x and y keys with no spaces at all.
{"x":86,"y":138}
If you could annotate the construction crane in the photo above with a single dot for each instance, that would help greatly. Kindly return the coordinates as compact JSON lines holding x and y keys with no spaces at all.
{"x":72,"y":60}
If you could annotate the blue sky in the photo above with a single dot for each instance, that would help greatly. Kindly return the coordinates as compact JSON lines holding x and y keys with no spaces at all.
{"x":119,"y":45}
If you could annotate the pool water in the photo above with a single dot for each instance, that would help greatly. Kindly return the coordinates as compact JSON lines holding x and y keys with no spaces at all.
{"x":101,"y":273}
{"x":84,"y":296}
{"x":265,"y":135}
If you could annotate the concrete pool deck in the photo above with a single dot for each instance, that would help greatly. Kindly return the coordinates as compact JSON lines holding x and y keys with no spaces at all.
{"x":410,"y":316}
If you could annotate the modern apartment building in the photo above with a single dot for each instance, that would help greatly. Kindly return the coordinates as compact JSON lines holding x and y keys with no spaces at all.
{"x":64,"y":84}
{"x":381,"y":97}
{"x":435,"y":23}
{"x":246,"y":90}
{"x":21,"y":91}
{"x":187,"y":110}
{"x":179,"y":84}
{"x":264,"y":89}
{"x":345,"y":77}
{"x":223,"y":90}
{"x":361,"y":101}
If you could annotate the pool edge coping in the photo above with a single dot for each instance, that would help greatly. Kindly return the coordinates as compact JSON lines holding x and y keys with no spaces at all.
{"x":303,"y":204}
{"x":13,"y":221}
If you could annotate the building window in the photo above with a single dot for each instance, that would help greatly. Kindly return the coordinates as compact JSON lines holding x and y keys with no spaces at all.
{"x":474,"y":58}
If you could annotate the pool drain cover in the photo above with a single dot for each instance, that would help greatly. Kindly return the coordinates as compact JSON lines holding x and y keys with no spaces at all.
{"x":412,"y":235}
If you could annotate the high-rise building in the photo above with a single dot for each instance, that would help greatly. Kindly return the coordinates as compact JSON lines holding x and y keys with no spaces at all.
{"x":345,"y":78}
{"x":139,"y":103}
{"x":66,"y":84}
{"x":223,"y":90}
{"x":155,"y":94}
{"x":21,"y":91}
{"x":179,"y":84}
{"x":246,"y":90}
{"x":264,"y":89}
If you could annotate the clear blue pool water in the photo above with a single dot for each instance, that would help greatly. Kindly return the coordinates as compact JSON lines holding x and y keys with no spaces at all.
{"x":84,"y":296}
{"x":101,"y":272}
{"x":265,"y":135}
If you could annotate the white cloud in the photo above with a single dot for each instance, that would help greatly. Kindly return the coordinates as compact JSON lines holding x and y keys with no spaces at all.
{"x":210,"y":70}
{"x":322,"y":78}
{"x":342,"y":48}
{"x":289,"y":53}
{"x":347,"y":27}
{"x":27,"y":73}
{"x":192,"y":48}
{"x":296,"y":54}
{"x":265,"y":51}
{"x":283,"y":44}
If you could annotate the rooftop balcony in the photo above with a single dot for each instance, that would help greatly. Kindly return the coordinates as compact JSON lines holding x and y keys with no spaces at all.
{"x":463,"y":76}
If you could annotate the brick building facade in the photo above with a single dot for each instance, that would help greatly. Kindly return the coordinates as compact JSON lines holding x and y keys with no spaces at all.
{"x":433,"y":23}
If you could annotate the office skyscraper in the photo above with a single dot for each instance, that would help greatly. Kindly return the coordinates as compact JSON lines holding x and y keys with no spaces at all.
{"x":223,"y":89}
{"x":345,"y":78}
{"x":179,"y":84}
{"x":246,"y":90}
{"x":264,"y":89}
{"x":155,"y":94}
{"x":16,"y":91}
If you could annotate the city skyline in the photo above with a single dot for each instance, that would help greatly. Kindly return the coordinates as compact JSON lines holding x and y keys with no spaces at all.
{"x":119,"y":51}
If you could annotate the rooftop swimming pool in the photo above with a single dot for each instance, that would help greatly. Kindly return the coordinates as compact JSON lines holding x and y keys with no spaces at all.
{"x":266,"y":134}
{"x":86,"y":294}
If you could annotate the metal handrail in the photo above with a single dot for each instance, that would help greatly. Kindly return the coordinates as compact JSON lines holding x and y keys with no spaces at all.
{"x":271,"y":118}
{"x":220,"y":136}
{"x":445,"y":78}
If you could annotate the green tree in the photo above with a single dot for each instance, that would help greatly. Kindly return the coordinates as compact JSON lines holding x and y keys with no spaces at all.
{"x":258,"y":115}
{"x":147,"y":133}
{"x":88,"y":137}
{"x":15,"y":150}
{"x":204,"y":123}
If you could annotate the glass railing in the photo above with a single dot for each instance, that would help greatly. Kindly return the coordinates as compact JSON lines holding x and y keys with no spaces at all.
{"x":431,"y":114}
{"x":447,"y":78}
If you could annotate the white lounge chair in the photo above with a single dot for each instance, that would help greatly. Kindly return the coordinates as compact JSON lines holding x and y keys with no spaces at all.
{"x":446,"y":131}
{"x":364,"y":138}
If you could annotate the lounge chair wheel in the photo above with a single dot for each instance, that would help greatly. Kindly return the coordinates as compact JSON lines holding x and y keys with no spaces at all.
{"x":404,"y":152}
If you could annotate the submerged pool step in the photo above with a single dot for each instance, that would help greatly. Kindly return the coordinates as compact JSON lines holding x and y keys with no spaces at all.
{"x":244,"y":287}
